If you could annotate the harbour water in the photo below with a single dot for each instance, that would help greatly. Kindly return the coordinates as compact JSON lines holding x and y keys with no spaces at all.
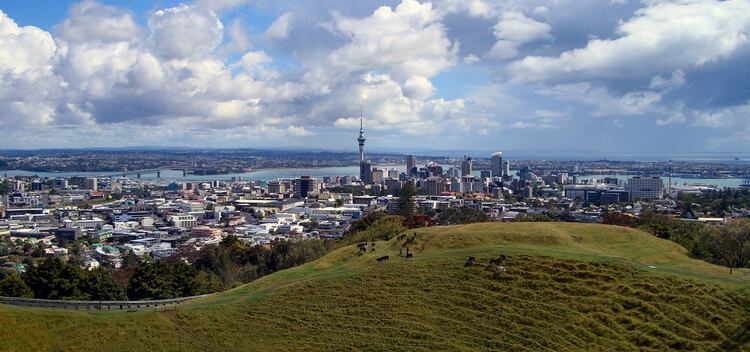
{"x":270,"y":174}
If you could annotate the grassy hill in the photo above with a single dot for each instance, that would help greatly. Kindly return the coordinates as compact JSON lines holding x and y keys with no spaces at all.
{"x":568,"y":287}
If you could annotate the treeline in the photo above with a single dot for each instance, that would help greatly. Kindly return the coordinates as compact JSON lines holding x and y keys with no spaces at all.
{"x":213,"y":268}
{"x":717,"y":203}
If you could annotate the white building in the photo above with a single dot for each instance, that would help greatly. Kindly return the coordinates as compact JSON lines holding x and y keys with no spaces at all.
{"x":91,"y":183}
{"x":646,"y":187}
{"x":192,"y":206}
{"x":184,"y":221}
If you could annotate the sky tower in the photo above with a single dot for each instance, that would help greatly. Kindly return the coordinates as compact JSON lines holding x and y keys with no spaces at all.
{"x":365,"y":171}
{"x":361,"y":139}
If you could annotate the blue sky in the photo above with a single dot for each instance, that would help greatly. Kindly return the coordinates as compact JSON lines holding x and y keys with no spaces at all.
{"x":544,"y":78}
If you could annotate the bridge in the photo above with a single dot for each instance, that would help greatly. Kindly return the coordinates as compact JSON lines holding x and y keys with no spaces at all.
{"x":157,"y":171}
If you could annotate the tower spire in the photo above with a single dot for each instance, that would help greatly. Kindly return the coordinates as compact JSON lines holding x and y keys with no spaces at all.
{"x":361,"y":138}
{"x":364,"y":169}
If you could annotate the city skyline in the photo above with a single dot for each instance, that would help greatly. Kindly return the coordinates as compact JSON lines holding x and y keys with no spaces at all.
{"x":633,"y":78}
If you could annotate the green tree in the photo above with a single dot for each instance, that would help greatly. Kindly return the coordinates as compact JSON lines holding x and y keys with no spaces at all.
{"x":229,"y":241}
{"x":730,"y":243}
{"x":130,"y":260}
{"x":54,"y":279}
{"x":107,"y":288}
{"x":406,"y":200}
{"x":5,"y":187}
{"x":462,"y":215}
{"x":152,"y":281}
{"x":13,"y":286}
{"x":531,"y":217}
{"x":312,"y":225}
{"x":365,"y":222}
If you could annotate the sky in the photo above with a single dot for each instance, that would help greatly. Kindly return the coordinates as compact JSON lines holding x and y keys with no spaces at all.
{"x":579,"y":78}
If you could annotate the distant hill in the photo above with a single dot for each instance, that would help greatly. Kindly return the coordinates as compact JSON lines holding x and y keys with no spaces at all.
{"x":567,"y":287}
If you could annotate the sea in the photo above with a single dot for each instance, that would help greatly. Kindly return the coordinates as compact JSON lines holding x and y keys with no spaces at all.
{"x":270,"y":174}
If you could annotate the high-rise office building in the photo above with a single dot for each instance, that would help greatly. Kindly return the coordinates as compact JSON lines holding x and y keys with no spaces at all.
{"x":466,"y":167}
{"x":91,"y":183}
{"x":497,"y":164}
{"x":60,"y":183}
{"x":506,"y":168}
{"x":411,"y":165}
{"x":646,"y":187}
{"x":304,"y":185}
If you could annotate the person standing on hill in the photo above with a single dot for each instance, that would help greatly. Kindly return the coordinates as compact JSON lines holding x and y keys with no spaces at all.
{"x":401,"y":251}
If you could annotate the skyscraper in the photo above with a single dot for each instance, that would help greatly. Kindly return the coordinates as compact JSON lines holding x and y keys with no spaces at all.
{"x":497,"y":164}
{"x":91,"y":183}
{"x":466,"y":166}
{"x":411,"y":163}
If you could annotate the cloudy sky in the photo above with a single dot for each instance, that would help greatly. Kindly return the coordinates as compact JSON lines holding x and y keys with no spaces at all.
{"x":575,"y":77}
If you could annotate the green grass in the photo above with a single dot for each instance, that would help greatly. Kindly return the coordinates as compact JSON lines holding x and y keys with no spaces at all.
{"x":559,"y":294}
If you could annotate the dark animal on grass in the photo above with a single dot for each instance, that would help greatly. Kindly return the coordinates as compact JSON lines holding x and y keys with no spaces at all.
{"x":411,"y":239}
{"x":363,"y":244}
{"x":471,"y":259}
{"x":498,"y":260}
{"x":408,"y":256}
{"x":384,"y":258}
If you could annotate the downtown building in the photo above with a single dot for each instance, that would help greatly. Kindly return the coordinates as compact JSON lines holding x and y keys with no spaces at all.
{"x":646,"y":187}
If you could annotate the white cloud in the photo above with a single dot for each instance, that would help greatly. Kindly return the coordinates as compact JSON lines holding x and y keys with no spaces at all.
{"x":475,"y":8}
{"x":24,"y":48}
{"x":674,"y":119}
{"x":92,"y":21}
{"x":714,"y":120}
{"x":470,"y":59}
{"x":27,"y":83}
{"x":632,"y":103}
{"x":418,"y":88}
{"x":513,"y":30}
{"x":677,"y":80}
{"x":408,"y":41}
{"x":662,"y":37}
{"x":548,"y":113}
{"x":280,"y":28}
{"x":239,"y":41}
{"x":541,"y":11}
{"x":387,"y":107}
{"x":185,"y":31}
{"x":298,"y":131}
{"x":220,"y":4}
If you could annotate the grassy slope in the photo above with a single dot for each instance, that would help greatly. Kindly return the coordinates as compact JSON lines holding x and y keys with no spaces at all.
{"x":559,"y":294}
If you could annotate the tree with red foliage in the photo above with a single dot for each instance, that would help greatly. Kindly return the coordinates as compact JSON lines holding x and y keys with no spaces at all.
{"x":619,"y":219}
{"x":416,"y":221}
